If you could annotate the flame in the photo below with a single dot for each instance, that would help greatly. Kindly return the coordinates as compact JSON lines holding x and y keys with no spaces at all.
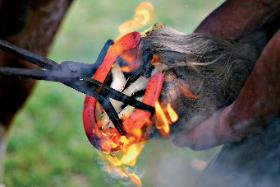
{"x":164,"y":118}
{"x":122,"y":152}
{"x":131,"y":154}
{"x":128,"y":158}
{"x":144,"y":15}
{"x":131,"y":146}
{"x":135,"y":179}
{"x":161,"y":120}
{"x":172,"y":113}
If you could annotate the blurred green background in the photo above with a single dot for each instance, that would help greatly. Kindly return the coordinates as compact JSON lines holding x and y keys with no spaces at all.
{"x":47,"y":145}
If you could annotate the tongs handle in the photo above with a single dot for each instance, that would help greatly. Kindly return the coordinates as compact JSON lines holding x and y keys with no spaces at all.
{"x":26,"y":55}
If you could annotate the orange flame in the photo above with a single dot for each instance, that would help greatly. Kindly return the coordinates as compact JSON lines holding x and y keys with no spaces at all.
{"x":135,"y":179}
{"x":133,"y":144}
{"x":144,"y":15}
{"x":164,"y":118}
{"x":161,"y":120}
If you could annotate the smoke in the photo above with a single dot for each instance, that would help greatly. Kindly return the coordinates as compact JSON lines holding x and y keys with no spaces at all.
{"x":166,"y":165}
{"x":254,"y":162}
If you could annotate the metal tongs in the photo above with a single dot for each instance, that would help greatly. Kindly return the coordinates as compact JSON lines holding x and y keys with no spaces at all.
{"x":76,"y":75}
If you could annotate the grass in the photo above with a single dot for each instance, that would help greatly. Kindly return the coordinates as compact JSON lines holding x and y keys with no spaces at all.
{"x":47,"y":145}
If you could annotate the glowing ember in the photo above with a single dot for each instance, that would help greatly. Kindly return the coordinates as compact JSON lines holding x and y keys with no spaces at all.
{"x":144,"y":15}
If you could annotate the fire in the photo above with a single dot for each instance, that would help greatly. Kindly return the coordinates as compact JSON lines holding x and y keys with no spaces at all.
{"x":119,"y":165}
{"x":121,"y":152}
{"x":164,"y":118}
{"x":133,"y":144}
{"x":131,"y":154}
{"x":172,"y":113}
{"x":114,"y":166}
{"x":144,"y":15}
{"x":161,"y":120}
{"x":135,"y":179}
